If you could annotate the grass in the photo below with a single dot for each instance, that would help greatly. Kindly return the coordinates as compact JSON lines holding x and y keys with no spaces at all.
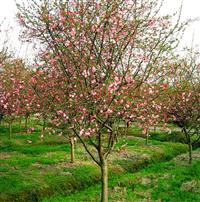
{"x":171,"y":134}
{"x":167,"y":181}
{"x":175,"y":136}
{"x":42,"y":169}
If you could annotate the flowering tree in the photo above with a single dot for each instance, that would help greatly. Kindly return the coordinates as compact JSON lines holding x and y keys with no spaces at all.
{"x":146,"y":110}
{"x":42,"y":96}
{"x":49,"y":87}
{"x":182,"y":101}
{"x":3,"y":57}
{"x":12,"y":75}
{"x":104,"y":51}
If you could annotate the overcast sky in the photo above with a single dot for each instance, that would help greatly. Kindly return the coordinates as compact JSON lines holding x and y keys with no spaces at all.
{"x":191,"y":9}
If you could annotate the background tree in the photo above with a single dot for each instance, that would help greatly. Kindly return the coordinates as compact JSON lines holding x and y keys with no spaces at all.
{"x":182,"y":100}
{"x":12,"y":85}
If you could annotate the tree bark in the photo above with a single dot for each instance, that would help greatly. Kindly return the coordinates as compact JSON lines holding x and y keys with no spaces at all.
{"x":10,"y":130}
{"x":26,"y":124}
{"x":72,"y":149}
{"x":20,"y":126}
{"x":147,"y":138}
{"x":189,"y":144}
{"x":104,"y":181}
{"x":43,"y":129}
{"x":1,"y":118}
{"x":190,"y":150}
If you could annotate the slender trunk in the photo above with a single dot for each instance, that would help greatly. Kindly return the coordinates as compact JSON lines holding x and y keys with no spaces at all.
{"x":147,"y":138}
{"x":126,"y":129}
{"x":29,"y":119}
{"x":104,"y":171}
{"x":72,"y":149}
{"x":26,"y":124}
{"x":189,"y":144}
{"x":190,"y":150}
{"x":117,"y":140}
{"x":20,"y":126}
{"x":104,"y":181}
{"x":1,"y":118}
{"x":154,"y":129}
{"x":43,"y":129}
{"x":10,"y":130}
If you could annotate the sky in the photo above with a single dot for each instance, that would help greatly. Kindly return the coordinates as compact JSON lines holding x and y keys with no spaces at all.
{"x":190,"y":10}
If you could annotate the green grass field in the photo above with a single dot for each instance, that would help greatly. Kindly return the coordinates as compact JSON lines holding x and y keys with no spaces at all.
{"x":165,"y":181}
{"x":40,"y":170}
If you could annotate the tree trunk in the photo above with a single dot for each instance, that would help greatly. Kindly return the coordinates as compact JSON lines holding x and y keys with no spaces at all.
{"x":104,"y":181}
{"x":189,"y":144}
{"x":20,"y":126}
{"x":72,"y":149}
{"x":43,"y":129}
{"x":1,"y":118}
{"x":29,"y":119}
{"x":190,"y":150}
{"x":147,"y":138}
{"x":26,"y":124}
{"x":10,"y":130}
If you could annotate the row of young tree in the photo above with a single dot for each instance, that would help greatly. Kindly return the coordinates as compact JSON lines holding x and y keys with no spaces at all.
{"x":100,"y":64}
